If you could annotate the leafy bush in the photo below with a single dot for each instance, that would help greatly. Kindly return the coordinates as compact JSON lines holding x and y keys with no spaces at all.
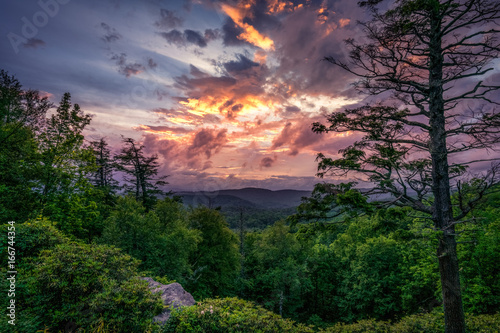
{"x":421,"y":323}
{"x":79,"y":285}
{"x":31,"y":237}
{"x":229,"y":315}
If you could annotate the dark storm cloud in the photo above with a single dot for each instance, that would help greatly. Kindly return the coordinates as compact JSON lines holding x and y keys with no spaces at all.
{"x":205,"y":86}
{"x":34,"y":43}
{"x":230,"y":109}
{"x":174,"y":37}
{"x":267,"y":162}
{"x":178,"y":130}
{"x":292,"y":109}
{"x":179,"y":38}
{"x":230,"y":33}
{"x":127,"y":68}
{"x":195,"y":37}
{"x":306,"y":37}
{"x":151,"y":63}
{"x":194,"y":71}
{"x":241,"y":64}
{"x":168,"y":20}
{"x":202,"y":146}
{"x":207,"y":141}
{"x":168,"y":111}
{"x":212,"y":34}
{"x":303,"y":32}
{"x":111,"y":34}
{"x":296,"y":136}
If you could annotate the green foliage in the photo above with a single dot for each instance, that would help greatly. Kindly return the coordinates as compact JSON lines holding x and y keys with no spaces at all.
{"x":420,"y":289}
{"x":229,"y":315}
{"x":21,"y":114}
{"x":275,"y":269}
{"x":421,"y":323}
{"x":216,"y":263}
{"x":356,"y":263}
{"x":64,"y":160}
{"x":32,"y":237}
{"x":43,"y":163}
{"x":141,"y":172}
{"x":80,"y":285}
{"x":178,"y":241}
{"x":328,"y":202}
{"x":479,"y":252}
{"x":128,"y":306}
{"x":160,"y":238}
{"x":255,"y":218}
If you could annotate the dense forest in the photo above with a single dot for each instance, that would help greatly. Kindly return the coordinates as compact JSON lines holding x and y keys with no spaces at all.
{"x":80,"y":240}
{"x":414,"y":246}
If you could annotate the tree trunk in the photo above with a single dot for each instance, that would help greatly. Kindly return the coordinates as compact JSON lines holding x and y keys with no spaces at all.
{"x":442,"y":212}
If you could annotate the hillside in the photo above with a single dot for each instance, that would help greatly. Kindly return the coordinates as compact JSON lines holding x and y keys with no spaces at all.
{"x":245,"y":197}
{"x":258,"y":207}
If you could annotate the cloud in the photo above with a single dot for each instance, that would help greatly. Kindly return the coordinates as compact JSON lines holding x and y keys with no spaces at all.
{"x":163,"y":129}
{"x":151,"y":63}
{"x":34,"y":43}
{"x":189,"y":151}
{"x":195,"y":37}
{"x":267,"y":162}
{"x":239,"y":15}
{"x":296,"y":136}
{"x":212,"y":34}
{"x":241,"y":64}
{"x":292,"y":109}
{"x":127,"y":68}
{"x":168,"y":20}
{"x":174,"y":37}
{"x":238,"y":90}
{"x":207,"y":141}
{"x":179,"y":38}
{"x":230,"y":32}
{"x":111,"y":34}
{"x":132,"y":68}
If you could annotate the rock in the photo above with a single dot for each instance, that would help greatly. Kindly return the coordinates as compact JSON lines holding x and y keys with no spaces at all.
{"x":173,"y":296}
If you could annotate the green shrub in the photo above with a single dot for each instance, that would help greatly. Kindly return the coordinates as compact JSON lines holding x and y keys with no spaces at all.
{"x":31,"y":237}
{"x":79,"y":285}
{"x":483,"y":323}
{"x":230,"y":315}
{"x":365,"y":325}
{"x":421,"y":323}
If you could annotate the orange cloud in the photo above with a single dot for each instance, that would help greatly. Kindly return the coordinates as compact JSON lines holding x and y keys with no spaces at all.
{"x":260,"y":57}
{"x":280,"y":6}
{"x":249,"y":34}
{"x":343,"y":22}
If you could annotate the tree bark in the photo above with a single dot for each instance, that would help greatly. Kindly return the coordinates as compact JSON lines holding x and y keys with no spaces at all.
{"x":442,"y":210}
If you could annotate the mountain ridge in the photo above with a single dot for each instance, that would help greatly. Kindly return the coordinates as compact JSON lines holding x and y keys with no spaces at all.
{"x":252,"y":197}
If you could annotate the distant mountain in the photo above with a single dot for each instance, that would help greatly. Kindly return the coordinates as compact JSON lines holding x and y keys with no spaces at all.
{"x":249,"y":197}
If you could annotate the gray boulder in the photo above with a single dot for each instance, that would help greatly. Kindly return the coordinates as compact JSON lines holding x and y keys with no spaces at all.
{"x":173,"y":296}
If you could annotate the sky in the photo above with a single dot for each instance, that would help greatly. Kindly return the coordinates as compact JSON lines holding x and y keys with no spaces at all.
{"x":224,"y":92}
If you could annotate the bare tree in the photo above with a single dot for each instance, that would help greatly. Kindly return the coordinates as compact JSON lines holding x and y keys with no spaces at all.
{"x":433,"y":56}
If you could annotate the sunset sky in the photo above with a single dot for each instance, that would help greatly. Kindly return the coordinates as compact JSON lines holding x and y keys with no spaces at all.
{"x":224,"y":92}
